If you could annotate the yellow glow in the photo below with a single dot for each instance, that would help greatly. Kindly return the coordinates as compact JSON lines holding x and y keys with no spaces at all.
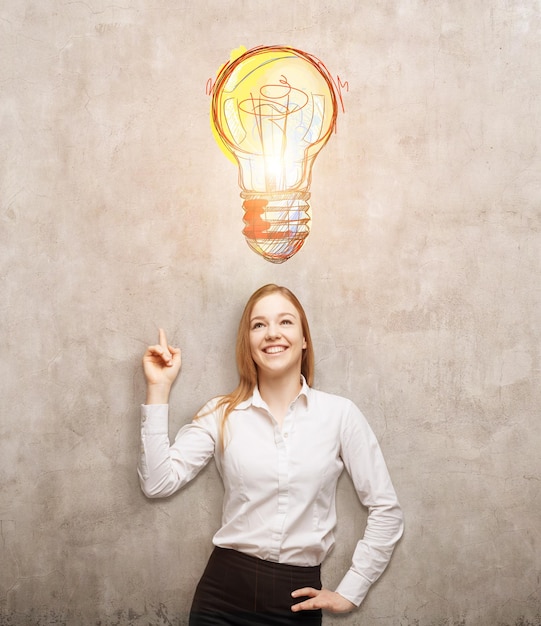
{"x":236,"y":53}
{"x":233,"y":56}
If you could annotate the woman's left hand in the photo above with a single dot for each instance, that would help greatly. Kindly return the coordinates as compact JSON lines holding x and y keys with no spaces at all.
{"x":321,"y":599}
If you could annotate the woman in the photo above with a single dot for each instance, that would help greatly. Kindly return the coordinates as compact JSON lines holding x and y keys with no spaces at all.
{"x":279,"y":446}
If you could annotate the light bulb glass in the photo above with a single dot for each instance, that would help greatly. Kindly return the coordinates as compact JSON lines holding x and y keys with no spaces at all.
{"x":274,"y":108}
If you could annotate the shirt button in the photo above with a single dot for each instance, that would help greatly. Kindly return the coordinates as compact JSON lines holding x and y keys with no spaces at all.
{"x":286,"y":435}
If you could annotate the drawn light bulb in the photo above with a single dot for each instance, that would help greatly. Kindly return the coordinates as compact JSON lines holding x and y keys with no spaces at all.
{"x":274,"y":108}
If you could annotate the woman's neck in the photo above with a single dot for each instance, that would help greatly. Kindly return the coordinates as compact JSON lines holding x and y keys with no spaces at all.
{"x":278,"y":393}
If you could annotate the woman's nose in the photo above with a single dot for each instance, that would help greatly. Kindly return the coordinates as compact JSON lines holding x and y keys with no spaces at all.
{"x":273,"y":331}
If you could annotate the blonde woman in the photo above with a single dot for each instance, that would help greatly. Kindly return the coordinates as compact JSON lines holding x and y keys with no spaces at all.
{"x":279,"y":446}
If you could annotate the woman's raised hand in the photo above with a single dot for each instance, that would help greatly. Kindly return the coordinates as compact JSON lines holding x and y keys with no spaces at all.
{"x":161,"y":364}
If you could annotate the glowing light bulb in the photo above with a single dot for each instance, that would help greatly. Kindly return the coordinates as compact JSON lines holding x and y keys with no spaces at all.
{"x":274,"y":108}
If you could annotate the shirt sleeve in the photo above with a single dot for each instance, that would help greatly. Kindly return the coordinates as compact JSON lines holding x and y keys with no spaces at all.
{"x":365,"y":464}
{"x":164,"y":468}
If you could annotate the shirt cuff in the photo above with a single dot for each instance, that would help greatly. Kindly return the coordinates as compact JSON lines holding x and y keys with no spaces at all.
{"x":354,"y":587}
{"x":155,"y":418}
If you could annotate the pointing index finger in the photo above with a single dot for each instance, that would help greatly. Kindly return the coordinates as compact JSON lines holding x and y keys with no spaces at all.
{"x":166,"y":354}
{"x":162,"y":339}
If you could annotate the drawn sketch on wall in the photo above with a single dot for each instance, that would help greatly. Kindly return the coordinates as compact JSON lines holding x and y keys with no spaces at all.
{"x":273,"y":109}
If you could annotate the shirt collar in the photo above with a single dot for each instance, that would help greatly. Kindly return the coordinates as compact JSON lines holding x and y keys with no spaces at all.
{"x":256,"y":400}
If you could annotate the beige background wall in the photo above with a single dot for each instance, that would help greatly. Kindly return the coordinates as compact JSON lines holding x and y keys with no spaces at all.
{"x":421,"y":278}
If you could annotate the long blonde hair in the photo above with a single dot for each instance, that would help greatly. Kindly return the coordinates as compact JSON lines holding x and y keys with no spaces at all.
{"x":245,"y":364}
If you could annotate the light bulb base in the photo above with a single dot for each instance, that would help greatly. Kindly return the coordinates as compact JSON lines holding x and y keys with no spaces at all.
{"x":276,"y":223}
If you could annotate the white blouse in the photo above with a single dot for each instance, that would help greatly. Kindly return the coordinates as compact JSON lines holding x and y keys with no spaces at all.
{"x":280,"y":483}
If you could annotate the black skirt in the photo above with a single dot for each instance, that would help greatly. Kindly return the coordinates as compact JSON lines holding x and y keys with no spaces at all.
{"x":241,"y":590}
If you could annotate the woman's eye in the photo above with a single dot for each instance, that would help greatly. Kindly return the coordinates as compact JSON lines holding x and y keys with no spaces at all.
{"x":257,"y":325}
{"x":287,"y":322}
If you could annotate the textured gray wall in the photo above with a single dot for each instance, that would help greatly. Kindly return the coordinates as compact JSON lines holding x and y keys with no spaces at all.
{"x":421,"y":278}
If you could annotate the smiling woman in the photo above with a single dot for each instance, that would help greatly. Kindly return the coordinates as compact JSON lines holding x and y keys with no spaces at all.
{"x":277,"y":344}
{"x":280,"y":446}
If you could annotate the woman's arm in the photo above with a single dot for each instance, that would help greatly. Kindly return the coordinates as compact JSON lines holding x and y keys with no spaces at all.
{"x":365,"y":464}
{"x":164,"y":468}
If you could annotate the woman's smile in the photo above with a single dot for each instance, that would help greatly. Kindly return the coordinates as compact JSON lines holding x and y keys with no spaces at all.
{"x":274,"y":349}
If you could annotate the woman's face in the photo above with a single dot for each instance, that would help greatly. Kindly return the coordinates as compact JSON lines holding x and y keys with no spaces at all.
{"x":276,"y":336}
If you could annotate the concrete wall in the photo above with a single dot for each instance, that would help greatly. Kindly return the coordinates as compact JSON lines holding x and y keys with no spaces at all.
{"x":421,"y":278}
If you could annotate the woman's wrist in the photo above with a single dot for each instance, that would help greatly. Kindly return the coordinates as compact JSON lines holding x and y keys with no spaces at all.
{"x":158,"y":394}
